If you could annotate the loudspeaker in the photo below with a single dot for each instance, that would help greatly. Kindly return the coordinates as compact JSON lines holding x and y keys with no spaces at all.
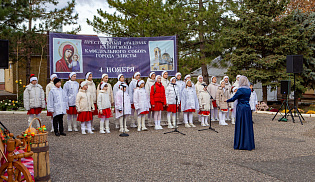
{"x":4,"y":54}
{"x":285,"y":86}
{"x":294,"y":63}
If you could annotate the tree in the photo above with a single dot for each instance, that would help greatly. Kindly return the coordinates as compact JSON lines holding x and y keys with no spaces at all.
{"x":197,"y":24}
{"x":304,"y":6}
{"x":261,"y":42}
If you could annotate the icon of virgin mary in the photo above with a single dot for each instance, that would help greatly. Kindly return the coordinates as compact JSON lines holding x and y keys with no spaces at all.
{"x":63,"y":64}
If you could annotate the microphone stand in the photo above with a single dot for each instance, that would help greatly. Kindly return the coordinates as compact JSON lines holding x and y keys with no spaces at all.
{"x":124,"y":134}
{"x":175,"y":130}
{"x":210,"y":127}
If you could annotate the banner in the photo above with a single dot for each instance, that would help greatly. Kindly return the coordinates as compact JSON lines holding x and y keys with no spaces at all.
{"x":111,"y":55}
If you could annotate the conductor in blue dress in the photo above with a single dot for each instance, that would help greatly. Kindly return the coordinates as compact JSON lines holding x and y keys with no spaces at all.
{"x":244,"y":131}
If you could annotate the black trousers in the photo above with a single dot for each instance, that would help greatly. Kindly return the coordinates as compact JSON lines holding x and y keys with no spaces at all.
{"x":58,"y":120}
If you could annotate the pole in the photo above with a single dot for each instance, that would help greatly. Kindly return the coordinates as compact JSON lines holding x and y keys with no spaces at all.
{"x":210,"y":127}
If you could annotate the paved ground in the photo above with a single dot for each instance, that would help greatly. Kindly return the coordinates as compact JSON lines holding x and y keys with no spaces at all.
{"x":284,"y":152}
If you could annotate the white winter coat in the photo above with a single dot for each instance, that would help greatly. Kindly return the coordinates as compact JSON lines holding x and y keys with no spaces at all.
{"x":236,"y":83}
{"x":109,"y":90}
{"x":92,"y":90}
{"x":49,"y":86}
{"x":253,"y":101}
{"x":103,"y":100}
{"x":181,"y":85}
{"x":170,"y":94}
{"x":132,"y":87}
{"x":204,"y":100}
{"x":199,"y":87}
{"x":228,"y":86}
{"x":189,"y":99}
{"x":57,"y":102}
{"x":148,"y":86}
{"x":34,"y":97}
{"x":165,"y":82}
{"x":119,"y":103}
{"x":141,"y":100}
{"x":116,"y":88}
{"x":213,"y":88}
{"x":83,"y":101}
{"x":71,"y":88}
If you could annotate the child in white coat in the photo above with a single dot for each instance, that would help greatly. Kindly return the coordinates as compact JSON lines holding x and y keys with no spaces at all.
{"x":71,"y":88}
{"x":58,"y":105}
{"x":172,"y":90}
{"x":104,"y":107}
{"x":233,"y":105}
{"x":85,"y":108}
{"x":213,"y":88}
{"x":189,"y":103}
{"x":150,"y":82}
{"x":34,"y":99}
{"x":121,"y":80}
{"x":141,"y":102}
{"x":253,"y":98}
{"x":132,"y":87}
{"x":92,"y":90}
{"x":204,"y":105}
{"x":222,"y":95}
{"x":49,"y":86}
{"x":122,"y":107}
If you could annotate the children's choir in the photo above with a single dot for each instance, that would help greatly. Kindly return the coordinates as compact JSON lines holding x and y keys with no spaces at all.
{"x":81,"y":101}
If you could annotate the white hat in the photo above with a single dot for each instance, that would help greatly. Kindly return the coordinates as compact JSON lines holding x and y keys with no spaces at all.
{"x":222,"y":81}
{"x":136,"y":73}
{"x":53,"y":76}
{"x":103,"y":75}
{"x":120,"y":76}
{"x":187,"y":81}
{"x":173,"y":78}
{"x":200,"y":76}
{"x":234,"y":89}
{"x":187,"y":76}
{"x":164,"y":73}
{"x":225,"y":77}
{"x":103,"y":85}
{"x":34,"y":78}
{"x":238,"y":76}
{"x":71,"y":74}
{"x":157,"y":77}
{"x":151,"y":74}
{"x":140,"y":82}
{"x":83,"y":83}
{"x":87,"y":75}
{"x":178,"y":73}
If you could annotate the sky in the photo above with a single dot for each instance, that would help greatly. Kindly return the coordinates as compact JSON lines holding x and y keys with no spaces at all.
{"x":86,"y":10}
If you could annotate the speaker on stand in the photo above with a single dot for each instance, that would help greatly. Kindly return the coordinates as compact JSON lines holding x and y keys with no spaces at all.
{"x":295,"y":65}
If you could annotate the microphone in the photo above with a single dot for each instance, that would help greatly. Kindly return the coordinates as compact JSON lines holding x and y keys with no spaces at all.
{"x":173,"y":83}
{"x":204,"y":84}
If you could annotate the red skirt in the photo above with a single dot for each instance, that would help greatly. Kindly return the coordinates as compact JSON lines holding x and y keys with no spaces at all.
{"x":145,"y":112}
{"x":35,"y":110}
{"x":171,"y":108}
{"x":158,"y":106}
{"x":214,"y":103}
{"x":85,"y":116}
{"x":95,"y":111}
{"x":49,"y":113}
{"x":72,"y":110}
{"x":133,"y":106}
{"x":107,"y":113}
{"x":204,"y":113}
{"x":190,"y":110}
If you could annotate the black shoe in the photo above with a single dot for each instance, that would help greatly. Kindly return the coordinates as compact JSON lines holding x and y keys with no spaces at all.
{"x":63,"y":134}
{"x":57,"y":134}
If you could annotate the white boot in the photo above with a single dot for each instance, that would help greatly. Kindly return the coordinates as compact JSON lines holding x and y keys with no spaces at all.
{"x":139,"y":123}
{"x":169,"y":121}
{"x":75,"y":125}
{"x":107,"y":125}
{"x":187,"y":125}
{"x":126,"y":129}
{"x":174,"y":124}
{"x":102,"y":126}
{"x":143,"y":124}
{"x":203,"y":121}
{"x":121,"y":123}
{"x":233,"y":120}
{"x":89,"y":127}
{"x":83,"y":128}
{"x":69,"y":124}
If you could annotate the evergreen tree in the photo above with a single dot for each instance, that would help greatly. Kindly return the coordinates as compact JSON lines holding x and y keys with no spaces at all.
{"x":261,"y":40}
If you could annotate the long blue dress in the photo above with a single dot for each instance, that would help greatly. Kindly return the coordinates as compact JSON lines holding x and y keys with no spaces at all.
{"x":244,"y":131}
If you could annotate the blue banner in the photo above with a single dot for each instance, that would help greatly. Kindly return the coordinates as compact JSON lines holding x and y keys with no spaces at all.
{"x":111,"y":55}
